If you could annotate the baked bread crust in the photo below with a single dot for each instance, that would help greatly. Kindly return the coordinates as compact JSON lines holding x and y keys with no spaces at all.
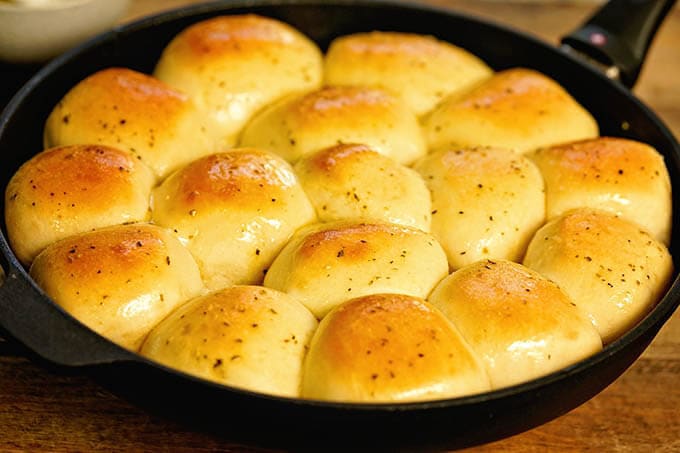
{"x":225,"y":218}
{"x":389,"y":347}
{"x":233,"y":66}
{"x":132,"y":111}
{"x":327,"y":264}
{"x":420,"y":69}
{"x":235,"y":211}
{"x":614,"y":271}
{"x":227,"y":335}
{"x":518,"y":322}
{"x":517,"y":108}
{"x":73,"y":189}
{"x":353,"y":181}
{"x":486,"y":202}
{"x":300,"y":125}
{"x":624,"y":177}
{"x":119,"y":281}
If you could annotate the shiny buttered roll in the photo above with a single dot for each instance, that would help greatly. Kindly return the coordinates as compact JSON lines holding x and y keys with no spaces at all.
{"x":120,"y":281}
{"x":386,"y":348}
{"x":73,"y":189}
{"x":232,"y":66}
{"x":486,"y":202}
{"x":612,"y":269}
{"x":234,"y":210}
{"x":519,"y":109}
{"x":132,"y":111}
{"x":353,"y":181}
{"x":621,"y":176}
{"x":244,"y":336}
{"x":325,"y":265}
{"x":420,"y":69}
{"x":301,"y":125}
{"x":518,"y":322}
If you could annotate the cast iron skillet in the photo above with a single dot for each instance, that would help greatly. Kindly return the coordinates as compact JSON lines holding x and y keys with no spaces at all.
{"x":29,"y":316}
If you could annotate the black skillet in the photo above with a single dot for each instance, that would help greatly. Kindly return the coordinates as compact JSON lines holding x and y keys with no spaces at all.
{"x":616,"y":38}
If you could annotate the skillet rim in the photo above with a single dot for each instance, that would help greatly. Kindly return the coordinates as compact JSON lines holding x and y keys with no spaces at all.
{"x":651,"y":323}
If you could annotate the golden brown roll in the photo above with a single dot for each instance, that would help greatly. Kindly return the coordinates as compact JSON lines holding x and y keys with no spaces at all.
{"x":613,"y":271}
{"x":132,"y":111}
{"x":325,"y":265}
{"x":245,"y":336}
{"x":486,"y":202}
{"x":73,"y":189}
{"x":624,"y":177}
{"x":232,"y":66}
{"x":389,"y":347}
{"x":300,"y":125}
{"x":234,"y":210}
{"x":518,"y":322}
{"x":519,"y":109}
{"x":421,"y":69}
{"x":119,"y":281}
{"x":353,"y":181}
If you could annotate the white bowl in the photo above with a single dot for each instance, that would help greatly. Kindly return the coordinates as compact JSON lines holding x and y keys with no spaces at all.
{"x":35,"y":31}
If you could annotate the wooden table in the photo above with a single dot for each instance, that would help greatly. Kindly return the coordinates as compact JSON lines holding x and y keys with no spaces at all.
{"x":46,"y":410}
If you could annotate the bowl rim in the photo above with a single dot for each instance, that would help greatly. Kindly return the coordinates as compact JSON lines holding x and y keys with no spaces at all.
{"x":60,"y":5}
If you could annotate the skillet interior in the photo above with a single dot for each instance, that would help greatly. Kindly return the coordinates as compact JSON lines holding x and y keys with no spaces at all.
{"x":284,"y":422}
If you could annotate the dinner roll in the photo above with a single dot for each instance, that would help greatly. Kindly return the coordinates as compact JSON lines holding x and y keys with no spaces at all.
{"x":621,"y":176}
{"x":389,"y":347}
{"x":245,"y":336}
{"x":120,"y":281}
{"x":420,"y":69}
{"x":519,"y":109}
{"x":232,"y":66}
{"x":486,"y":202}
{"x":518,"y":322}
{"x":73,"y":189}
{"x":614,"y":271}
{"x":234,"y":210}
{"x":301,"y":125}
{"x":353,"y":181}
{"x":132,"y":111}
{"x":324,"y":265}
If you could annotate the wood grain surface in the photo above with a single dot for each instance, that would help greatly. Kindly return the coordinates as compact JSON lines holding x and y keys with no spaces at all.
{"x":43,"y":409}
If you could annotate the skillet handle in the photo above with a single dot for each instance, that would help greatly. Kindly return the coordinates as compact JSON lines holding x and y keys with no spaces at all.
{"x":618,"y":36}
{"x":47,"y":330}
